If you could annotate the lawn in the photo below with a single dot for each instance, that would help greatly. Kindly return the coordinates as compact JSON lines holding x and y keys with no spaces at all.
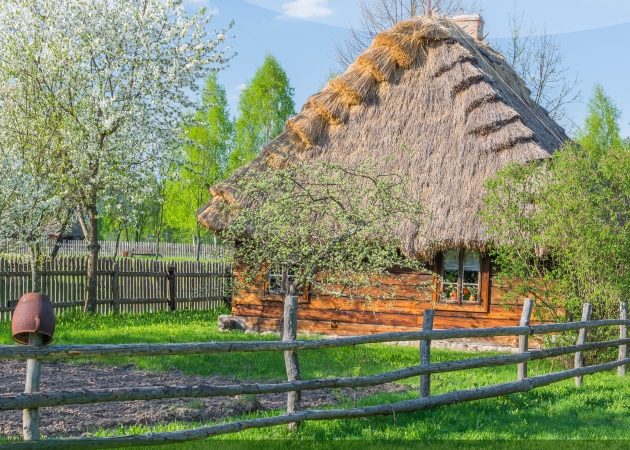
{"x":599,"y":410}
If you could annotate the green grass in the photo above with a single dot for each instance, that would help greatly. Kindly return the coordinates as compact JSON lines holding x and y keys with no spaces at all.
{"x":599,"y":410}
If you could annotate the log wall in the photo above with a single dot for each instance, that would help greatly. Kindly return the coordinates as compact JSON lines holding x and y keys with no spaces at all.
{"x":397,"y":304}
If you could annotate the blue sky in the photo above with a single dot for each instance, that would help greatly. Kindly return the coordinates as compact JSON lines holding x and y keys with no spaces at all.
{"x":594,"y":37}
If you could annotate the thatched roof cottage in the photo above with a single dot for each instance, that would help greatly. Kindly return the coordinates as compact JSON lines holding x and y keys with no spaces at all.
{"x":436,"y":88}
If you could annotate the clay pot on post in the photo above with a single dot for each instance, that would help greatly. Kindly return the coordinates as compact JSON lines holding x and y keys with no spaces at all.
{"x":33,"y":324}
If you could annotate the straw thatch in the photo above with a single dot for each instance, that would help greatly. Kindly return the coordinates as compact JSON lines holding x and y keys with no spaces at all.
{"x":425,"y":100}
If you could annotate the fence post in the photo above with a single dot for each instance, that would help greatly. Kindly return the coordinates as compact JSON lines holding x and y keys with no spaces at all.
{"x":30,"y":417}
{"x":587,"y":308}
{"x":623,"y":334}
{"x":425,"y":353}
{"x":116,"y":288}
{"x":172,"y":287}
{"x":523,"y":340}
{"x":291,"y":361}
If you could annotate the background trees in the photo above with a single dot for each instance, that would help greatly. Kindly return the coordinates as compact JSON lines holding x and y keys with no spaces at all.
{"x":563,"y":225}
{"x":264,"y":106}
{"x":119,"y":72}
{"x":209,"y":134}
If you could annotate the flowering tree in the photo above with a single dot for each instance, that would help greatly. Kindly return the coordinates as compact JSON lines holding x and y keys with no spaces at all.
{"x":118,"y":71}
{"x":30,"y":205}
{"x":322,"y":225}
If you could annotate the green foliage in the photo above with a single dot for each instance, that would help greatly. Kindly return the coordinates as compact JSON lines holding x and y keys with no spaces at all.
{"x":209,"y":139}
{"x":264,"y":106}
{"x":320,"y":223}
{"x":563,"y":226}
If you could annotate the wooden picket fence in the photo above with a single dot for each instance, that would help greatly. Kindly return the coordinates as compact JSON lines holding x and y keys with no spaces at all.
{"x":164,"y":250}
{"x":124,"y":284}
{"x":32,"y":400}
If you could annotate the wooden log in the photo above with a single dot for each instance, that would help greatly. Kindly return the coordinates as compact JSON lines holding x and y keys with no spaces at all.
{"x":89,"y":396}
{"x":523,"y":340}
{"x":425,"y":354}
{"x":623,"y":334}
{"x":329,"y":414}
{"x":30,"y":416}
{"x":587,"y":309}
{"x":104,"y":350}
{"x":291,"y":362}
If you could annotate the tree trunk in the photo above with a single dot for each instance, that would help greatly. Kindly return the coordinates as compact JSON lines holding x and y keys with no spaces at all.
{"x":60,"y":236}
{"x":92,"y":263}
{"x":36,"y":268}
{"x":117,"y":242}
{"x":289,"y":333}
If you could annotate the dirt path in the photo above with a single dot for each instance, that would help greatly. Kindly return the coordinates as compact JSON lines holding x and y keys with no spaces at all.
{"x":76,"y":420}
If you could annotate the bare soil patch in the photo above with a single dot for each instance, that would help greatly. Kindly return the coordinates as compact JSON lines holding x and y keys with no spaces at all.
{"x":82,"y":419}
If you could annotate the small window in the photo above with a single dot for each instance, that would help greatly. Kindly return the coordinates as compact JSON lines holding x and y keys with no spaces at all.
{"x":274,"y":282}
{"x":461,"y":277}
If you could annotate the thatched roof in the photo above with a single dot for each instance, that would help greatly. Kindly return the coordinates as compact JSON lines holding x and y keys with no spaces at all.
{"x":426,"y":100}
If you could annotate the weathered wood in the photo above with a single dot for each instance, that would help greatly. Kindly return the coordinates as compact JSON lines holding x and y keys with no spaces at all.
{"x":291,"y":361}
{"x":171,"y":283}
{"x":330,"y":414}
{"x":523,"y":340}
{"x":88,"y":396}
{"x":425,"y":353}
{"x":587,"y":309}
{"x":30,"y":417}
{"x":623,"y":334}
{"x":102,"y":350}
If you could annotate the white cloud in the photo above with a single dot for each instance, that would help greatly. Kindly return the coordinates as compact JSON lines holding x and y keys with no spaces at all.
{"x":306,"y":9}
{"x":211,"y":9}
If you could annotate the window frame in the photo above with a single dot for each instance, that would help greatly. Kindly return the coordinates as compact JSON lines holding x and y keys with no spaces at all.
{"x":482,"y":305}
{"x":275,"y":296}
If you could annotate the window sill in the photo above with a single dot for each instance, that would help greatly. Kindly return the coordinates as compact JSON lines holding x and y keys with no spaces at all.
{"x":469,"y":307}
{"x":268,"y":297}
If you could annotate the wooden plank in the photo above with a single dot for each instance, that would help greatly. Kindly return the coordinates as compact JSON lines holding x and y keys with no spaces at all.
{"x":306,"y":312}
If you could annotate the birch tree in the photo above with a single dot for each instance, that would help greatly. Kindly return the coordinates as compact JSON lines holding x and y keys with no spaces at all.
{"x":120,"y":72}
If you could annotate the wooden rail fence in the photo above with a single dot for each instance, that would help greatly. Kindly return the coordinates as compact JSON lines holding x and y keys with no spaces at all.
{"x":124,"y":285}
{"x":108,"y":249}
{"x":31,"y":400}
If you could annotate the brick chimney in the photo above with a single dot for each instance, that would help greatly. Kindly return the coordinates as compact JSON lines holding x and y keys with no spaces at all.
{"x":471,"y":24}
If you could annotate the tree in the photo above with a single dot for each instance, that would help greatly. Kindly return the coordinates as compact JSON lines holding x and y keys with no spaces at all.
{"x":380,"y":15}
{"x":264,"y":107}
{"x":209,"y":136}
{"x":563,"y":225}
{"x":537,"y":58}
{"x":119,"y":72}
{"x":31,"y":206}
{"x":319,"y":225}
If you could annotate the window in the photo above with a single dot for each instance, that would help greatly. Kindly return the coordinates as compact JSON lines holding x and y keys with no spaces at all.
{"x":463,"y":280}
{"x":274,"y":282}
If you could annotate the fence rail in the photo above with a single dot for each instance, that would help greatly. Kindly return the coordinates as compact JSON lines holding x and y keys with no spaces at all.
{"x":31,"y":401}
{"x":165,"y":250}
{"x":124,"y":285}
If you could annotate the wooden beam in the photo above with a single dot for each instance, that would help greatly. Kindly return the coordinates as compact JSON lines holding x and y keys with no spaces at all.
{"x":329,"y":414}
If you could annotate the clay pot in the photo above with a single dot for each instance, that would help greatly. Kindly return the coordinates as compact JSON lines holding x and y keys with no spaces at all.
{"x":33,"y":314}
